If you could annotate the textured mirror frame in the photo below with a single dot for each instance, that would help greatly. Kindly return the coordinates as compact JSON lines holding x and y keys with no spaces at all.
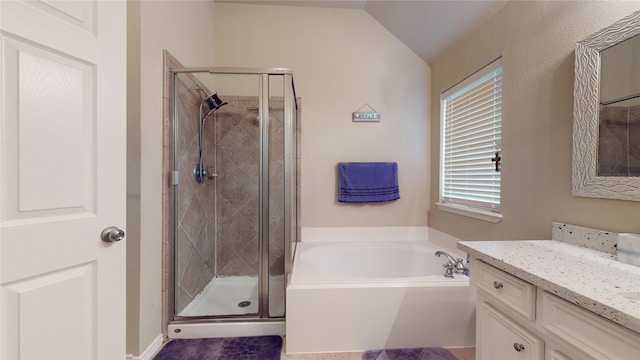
{"x":586,"y":181}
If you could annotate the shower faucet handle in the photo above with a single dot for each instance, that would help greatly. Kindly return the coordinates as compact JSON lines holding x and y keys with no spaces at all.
{"x":202,"y":173}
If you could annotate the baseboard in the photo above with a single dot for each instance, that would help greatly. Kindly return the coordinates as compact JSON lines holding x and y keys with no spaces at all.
{"x":151,"y":350}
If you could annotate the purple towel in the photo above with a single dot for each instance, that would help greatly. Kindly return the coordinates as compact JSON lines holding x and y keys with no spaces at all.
{"x":368,"y":182}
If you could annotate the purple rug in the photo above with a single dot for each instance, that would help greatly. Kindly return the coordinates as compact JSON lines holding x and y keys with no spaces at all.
{"x":240,"y":348}
{"x":432,"y":353}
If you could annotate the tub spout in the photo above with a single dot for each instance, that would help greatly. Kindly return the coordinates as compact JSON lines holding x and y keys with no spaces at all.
{"x":457,"y":264}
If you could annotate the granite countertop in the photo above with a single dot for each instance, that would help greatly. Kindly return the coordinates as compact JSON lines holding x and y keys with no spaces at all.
{"x":590,"y":279}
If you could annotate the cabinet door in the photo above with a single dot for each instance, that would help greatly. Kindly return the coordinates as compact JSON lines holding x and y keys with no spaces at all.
{"x":501,"y":338}
{"x":557,"y":355}
{"x":555,"y":351}
{"x":574,"y":327}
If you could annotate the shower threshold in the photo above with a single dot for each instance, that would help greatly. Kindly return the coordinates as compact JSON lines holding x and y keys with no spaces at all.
{"x":201,"y":330}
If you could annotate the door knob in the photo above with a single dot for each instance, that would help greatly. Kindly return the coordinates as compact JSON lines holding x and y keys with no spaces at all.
{"x":112,"y":234}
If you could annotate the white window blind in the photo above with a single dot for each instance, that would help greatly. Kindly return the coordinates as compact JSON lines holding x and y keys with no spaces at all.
{"x":471,"y":136}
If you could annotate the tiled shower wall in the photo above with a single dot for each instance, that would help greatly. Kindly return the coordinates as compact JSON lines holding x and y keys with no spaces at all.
{"x":231,"y":152}
{"x":237,"y":168}
{"x":619,"y":136}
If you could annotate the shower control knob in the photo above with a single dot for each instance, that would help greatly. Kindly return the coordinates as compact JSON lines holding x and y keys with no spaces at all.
{"x":112,"y":234}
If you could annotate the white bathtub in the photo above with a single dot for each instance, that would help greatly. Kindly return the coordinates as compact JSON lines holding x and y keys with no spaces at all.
{"x":351,"y":294}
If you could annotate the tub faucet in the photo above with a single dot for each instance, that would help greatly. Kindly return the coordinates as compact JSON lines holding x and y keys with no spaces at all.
{"x":456,"y":264}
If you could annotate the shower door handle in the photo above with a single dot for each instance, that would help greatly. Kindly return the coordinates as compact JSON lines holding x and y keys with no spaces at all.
{"x":112,"y":234}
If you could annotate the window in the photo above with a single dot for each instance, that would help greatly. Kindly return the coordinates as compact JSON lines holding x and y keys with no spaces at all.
{"x":470,"y":145}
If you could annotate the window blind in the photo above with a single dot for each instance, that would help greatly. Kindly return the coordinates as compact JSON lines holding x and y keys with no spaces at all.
{"x":472,"y":128}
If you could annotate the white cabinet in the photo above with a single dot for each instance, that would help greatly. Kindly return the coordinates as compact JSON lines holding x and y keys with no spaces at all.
{"x":503,"y":338}
{"x":598,"y":337}
{"x":510,"y":291}
{"x":513,"y":315}
{"x":557,"y":352}
{"x":557,"y":355}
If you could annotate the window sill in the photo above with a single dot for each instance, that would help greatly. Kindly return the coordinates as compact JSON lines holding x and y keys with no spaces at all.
{"x":470,"y":212}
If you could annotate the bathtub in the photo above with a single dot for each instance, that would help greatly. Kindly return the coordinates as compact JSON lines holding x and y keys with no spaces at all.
{"x":356,"y":289}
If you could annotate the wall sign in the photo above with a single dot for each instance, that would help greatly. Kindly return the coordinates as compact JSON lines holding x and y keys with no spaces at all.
{"x":365,"y":116}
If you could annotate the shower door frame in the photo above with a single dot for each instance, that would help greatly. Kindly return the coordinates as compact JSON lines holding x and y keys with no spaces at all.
{"x":290,"y":232}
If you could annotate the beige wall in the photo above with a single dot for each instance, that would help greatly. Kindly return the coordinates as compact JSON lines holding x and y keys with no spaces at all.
{"x":536,"y":40}
{"x":341,"y":59}
{"x":185,"y":28}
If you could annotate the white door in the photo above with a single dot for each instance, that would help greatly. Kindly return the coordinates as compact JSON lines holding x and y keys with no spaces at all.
{"x":62,"y":179}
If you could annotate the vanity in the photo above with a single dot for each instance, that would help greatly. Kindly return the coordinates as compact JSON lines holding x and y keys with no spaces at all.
{"x":547,"y":299}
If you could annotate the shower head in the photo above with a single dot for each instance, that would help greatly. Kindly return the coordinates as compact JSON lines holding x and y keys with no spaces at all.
{"x":214,"y":102}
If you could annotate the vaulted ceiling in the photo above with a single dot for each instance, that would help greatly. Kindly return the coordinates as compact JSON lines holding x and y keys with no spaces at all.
{"x":425,"y":26}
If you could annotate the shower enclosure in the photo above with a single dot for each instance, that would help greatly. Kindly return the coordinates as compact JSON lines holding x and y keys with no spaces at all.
{"x":233,"y":199}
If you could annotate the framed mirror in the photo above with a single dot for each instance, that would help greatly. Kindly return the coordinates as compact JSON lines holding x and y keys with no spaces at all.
{"x":606,"y":124}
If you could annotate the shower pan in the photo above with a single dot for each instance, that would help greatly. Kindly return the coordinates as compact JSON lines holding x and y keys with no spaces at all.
{"x":233,"y":197}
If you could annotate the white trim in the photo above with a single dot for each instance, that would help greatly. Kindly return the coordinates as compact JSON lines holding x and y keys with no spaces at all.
{"x":462,"y":85}
{"x":150,"y":351}
{"x":471,"y":212}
